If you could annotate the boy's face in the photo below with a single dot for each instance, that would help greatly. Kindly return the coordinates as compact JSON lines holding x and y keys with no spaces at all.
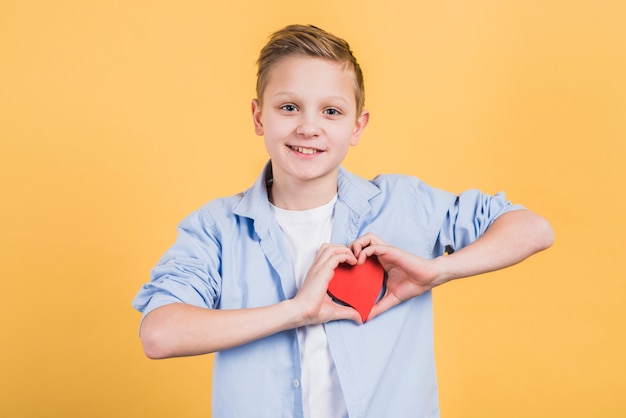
{"x":308,"y":119}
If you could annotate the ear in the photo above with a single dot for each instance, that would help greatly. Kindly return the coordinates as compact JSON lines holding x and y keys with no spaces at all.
{"x":359,"y":127}
{"x":257,"y":117}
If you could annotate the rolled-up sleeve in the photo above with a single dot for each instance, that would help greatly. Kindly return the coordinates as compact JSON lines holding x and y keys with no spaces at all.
{"x":189,"y":272}
{"x":469,"y":217}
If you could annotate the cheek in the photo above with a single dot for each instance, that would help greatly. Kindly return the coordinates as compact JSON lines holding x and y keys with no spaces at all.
{"x":346,"y":135}
{"x":280,"y":128}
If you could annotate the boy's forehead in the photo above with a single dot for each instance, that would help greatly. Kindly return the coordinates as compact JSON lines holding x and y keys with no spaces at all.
{"x":299,"y":71}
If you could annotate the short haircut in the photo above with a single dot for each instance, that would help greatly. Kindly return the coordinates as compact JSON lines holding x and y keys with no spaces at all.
{"x":309,"y":41}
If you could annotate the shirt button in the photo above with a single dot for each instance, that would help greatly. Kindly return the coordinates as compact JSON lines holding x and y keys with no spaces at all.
{"x":296,"y":383}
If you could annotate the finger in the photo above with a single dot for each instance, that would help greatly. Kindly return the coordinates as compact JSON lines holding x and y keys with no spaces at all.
{"x":346,"y":312}
{"x":365,"y":241}
{"x":374,"y":249}
{"x":339,"y":253}
{"x":351,"y":315}
{"x":329,"y":265}
{"x":373,"y":239}
{"x":356,"y":248}
{"x":344,"y":255}
{"x":360,"y":243}
{"x":327,"y":250}
{"x":322,"y":269}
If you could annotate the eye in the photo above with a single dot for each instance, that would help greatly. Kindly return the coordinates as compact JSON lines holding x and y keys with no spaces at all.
{"x":332,"y":112}
{"x":289,"y":108}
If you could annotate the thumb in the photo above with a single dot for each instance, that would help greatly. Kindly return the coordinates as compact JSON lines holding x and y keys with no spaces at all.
{"x":346,"y":312}
{"x":387,"y":302}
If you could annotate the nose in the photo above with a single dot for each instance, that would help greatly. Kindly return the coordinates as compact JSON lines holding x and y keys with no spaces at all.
{"x":308,"y":126}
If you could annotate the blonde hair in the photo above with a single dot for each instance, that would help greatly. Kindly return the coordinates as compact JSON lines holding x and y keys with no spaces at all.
{"x":310,"y":41}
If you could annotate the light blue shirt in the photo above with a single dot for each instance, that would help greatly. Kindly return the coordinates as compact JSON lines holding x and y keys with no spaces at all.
{"x":231,"y":254}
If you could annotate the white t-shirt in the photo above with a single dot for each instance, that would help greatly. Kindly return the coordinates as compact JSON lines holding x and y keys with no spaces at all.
{"x":305,"y":231}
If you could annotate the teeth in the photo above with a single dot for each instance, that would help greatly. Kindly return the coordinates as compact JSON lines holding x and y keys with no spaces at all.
{"x":304,"y":150}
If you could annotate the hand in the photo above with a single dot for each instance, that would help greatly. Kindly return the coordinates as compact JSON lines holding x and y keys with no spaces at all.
{"x":312,"y":298}
{"x":407,"y":274}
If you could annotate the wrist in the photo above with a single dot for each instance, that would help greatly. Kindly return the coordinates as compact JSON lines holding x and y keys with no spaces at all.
{"x":294,"y":317}
{"x":443,"y":269}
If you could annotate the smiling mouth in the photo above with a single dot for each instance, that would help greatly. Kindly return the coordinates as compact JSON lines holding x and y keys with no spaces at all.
{"x":302,"y":150}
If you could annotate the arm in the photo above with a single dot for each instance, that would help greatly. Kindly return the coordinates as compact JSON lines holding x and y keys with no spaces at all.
{"x":179,"y":329}
{"x":511,"y":238}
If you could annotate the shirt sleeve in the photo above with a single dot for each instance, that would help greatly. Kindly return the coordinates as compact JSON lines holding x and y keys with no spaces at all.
{"x":189,"y":272}
{"x":468,"y":218}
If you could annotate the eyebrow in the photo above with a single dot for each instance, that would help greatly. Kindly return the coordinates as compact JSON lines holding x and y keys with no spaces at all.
{"x":290,"y":95}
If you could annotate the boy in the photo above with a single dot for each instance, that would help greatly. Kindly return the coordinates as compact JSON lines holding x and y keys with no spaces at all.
{"x":248,"y":275}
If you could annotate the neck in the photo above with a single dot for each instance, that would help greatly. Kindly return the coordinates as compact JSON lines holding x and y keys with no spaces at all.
{"x":298,"y":196}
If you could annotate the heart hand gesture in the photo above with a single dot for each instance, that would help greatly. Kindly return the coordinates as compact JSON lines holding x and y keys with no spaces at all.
{"x":315,"y":304}
{"x":408,"y":275}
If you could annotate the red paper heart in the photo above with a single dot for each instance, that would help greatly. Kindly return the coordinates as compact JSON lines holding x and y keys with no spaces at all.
{"x":358,"y":286}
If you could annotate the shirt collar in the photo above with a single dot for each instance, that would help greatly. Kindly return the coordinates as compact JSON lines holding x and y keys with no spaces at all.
{"x":353,"y":190}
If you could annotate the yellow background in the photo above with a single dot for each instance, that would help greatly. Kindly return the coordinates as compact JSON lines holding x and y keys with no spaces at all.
{"x":119,"y":118}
